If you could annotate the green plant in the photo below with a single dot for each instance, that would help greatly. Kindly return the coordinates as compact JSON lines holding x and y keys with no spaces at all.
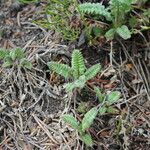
{"x":107,"y":100}
{"x":84,"y":125}
{"x":14,"y":56}
{"x":78,"y":72}
{"x":95,"y":9}
{"x":115,"y":13}
{"x":60,"y":15}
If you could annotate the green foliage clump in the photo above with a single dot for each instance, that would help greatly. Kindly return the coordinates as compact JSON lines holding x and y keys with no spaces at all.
{"x":14,"y":57}
{"x":78,"y":72}
{"x":104,"y":107}
{"x":115,"y":13}
{"x":107,"y":100}
{"x":60,"y":14}
{"x":68,"y":18}
{"x":85,"y":124}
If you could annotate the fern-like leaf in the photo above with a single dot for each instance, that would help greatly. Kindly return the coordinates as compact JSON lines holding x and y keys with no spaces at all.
{"x":61,"y":69}
{"x":87,"y":139}
{"x":71,"y":121}
{"x":119,"y":9}
{"x":95,"y":9}
{"x":113,"y":97}
{"x":92,"y":71}
{"x":124,"y":32}
{"x":77,"y":63}
{"x":89,"y":118}
{"x":120,"y":5}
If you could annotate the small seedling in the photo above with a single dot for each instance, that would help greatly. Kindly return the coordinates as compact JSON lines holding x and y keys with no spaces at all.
{"x":84,"y":125}
{"x":77,"y":72}
{"x":107,"y":100}
{"x":14,"y":56}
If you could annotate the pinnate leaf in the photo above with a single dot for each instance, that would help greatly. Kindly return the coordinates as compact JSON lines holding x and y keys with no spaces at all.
{"x":77,"y":63}
{"x":102,"y":110}
{"x":124,"y":32}
{"x":89,"y":118}
{"x":71,"y":121}
{"x":61,"y":69}
{"x":87,"y":139}
{"x":92,"y":71}
{"x":113,"y":97}
{"x":79,"y":83}
{"x":110,"y":34}
{"x":95,"y":9}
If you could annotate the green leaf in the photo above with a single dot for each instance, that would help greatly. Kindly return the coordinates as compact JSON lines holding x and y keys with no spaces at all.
{"x":99,"y":94}
{"x":77,"y":63}
{"x":25,"y":63}
{"x":87,"y":139}
{"x":7,"y":63}
{"x":95,"y":9}
{"x":69,"y":87}
{"x":16,"y":54}
{"x":61,"y":69}
{"x":80,"y":129}
{"x":3,"y":53}
{"x":102,"y":110}
{"x":113,"y":97}
{"x":124,"y":32}
{"x":12,"y":54}
{"x":110,"y":34}
{"x":89,"y":118}
{"x":119,"y":8}
{"x":92,"y":71}
{"x":71,"y":121}
{"x":79,"y":83}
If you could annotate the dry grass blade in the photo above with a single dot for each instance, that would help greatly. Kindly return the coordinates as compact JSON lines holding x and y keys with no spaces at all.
{"x":44,"y":128}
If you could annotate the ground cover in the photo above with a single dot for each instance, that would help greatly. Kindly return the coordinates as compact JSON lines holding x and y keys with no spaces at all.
{"x":34,"y":104}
